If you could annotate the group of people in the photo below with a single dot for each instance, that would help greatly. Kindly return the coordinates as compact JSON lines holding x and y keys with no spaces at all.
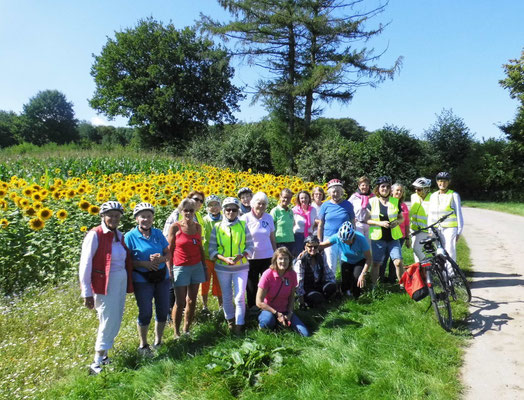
{"x":246,"y":255}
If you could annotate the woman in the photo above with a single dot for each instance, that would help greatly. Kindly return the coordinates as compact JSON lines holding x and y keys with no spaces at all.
{"x":333,"y":214}
{"x":245,"y":195}
{"x":304,"y":216}
{"x":316,"y":282}
{"x":442,"y":202}
{"x":360,"y":200}
{"x":189,"y":269}
{"x":149,"y":251}
{"x":356,"y":258}
{"x":284,"y":221}
{"x":229,"y":245}
{"x":262,"y":230}
{"x":105,"y":277}
{"x":418,"y":215}
{"x":384,"y":219}
{"x":318,"y":198}
{"x":397,"y":191}
{"x":276,"y":294}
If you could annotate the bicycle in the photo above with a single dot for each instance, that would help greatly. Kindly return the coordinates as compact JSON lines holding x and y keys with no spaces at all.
{"x":459,"y":286}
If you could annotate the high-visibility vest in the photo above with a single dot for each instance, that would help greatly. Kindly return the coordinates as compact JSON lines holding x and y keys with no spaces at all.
{"x":418,"y":213}
{"x":198,"y":217}
{"x":440,"y":205}
{"x":231,"y":241}
{"x":375,"y":232}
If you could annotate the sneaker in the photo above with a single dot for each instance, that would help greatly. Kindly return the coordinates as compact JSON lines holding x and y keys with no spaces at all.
{"x":145,"y":351}
{"x":95,"y":369}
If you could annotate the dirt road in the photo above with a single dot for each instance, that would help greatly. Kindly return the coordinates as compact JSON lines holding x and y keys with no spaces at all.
{"x":494,"y":363}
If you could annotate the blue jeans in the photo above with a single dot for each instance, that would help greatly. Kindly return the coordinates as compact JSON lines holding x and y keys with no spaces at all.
{"x":144,"y":294}
{"x":266,"y":320}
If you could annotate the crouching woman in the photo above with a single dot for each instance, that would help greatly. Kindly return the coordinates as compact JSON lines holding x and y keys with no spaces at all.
{"x":105,"y":277}
{"x":276,"y":294}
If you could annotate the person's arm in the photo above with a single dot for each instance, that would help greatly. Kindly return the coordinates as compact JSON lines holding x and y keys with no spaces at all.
{"x":250,"y":245}
{"x":320,"y":231}
{"x":290,"y":306}
{"x":369,"y":221}
{"x":172,"y":242}
{"x":457,"y":206}
{"x":362,"y":278}
{"x":273,"y":240}
{"x":89,"y":247}
{"x":202,"y":254}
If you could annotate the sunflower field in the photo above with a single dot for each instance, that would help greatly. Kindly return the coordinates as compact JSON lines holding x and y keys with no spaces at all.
{"x":48,"y":203}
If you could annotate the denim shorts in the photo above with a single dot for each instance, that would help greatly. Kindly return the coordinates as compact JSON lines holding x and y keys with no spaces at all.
{"x":186,"y":275}
{"x":381,"y":248}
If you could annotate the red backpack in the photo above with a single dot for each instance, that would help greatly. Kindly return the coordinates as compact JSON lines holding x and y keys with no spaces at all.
{"x":414,"y":281}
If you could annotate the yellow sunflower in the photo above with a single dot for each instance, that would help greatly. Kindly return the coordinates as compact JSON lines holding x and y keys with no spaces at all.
{"x":36,"y":224}
{"x":4,"y":223}
{"x":94,"y":210}
{"x":83,"y":228}
{"x":70,"y":193}
{"x":45,"y":214}
{"x":27,"y":191}
{"x":61,"y":214}
{"x":30,"y":211}
{"x":84,"y":205}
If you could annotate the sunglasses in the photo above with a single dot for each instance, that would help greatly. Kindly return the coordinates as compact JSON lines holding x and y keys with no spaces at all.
{"x":312,"y":246}
{"x":190,"y":210}
{"x":231,"y":210}
{"x":197,"y":199}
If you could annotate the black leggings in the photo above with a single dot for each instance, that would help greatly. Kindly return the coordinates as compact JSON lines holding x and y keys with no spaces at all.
{"x":256,"y":268}
{"x":350,"y":274}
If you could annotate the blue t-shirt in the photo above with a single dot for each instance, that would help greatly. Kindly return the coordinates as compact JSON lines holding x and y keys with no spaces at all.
{"x":354,"y":253}
{"x":334,"y":215}
{"x":141,"y":248}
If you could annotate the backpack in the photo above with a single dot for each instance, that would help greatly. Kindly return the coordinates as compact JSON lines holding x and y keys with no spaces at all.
{"x":414,"y":281}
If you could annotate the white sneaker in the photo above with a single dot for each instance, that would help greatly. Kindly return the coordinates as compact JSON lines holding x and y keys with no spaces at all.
{"x":95,"y":369}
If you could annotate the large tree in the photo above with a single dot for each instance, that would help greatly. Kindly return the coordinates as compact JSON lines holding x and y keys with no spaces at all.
{"x":168,"y":82}
{"x":311,"y":49}
{"x":9,"y":127}
{"x":49,"y":117}
{"x":514,"y":82}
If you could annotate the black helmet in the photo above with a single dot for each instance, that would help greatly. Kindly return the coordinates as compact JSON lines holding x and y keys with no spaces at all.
{"x":311,"y":239}
{"x":444,"y":176}
{"x":383,"y":179}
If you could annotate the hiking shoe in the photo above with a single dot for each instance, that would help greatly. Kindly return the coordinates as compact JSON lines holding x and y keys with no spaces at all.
{"x":95,"y":369}
{"x":145,"y":351}
{"x":106,"y":360}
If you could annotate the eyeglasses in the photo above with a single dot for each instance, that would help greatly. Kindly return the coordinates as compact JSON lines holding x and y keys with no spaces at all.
{"x":231,"y":209}
{"x":197,"y":199}
{"x":312,"y":247}
{"x":419,"y":189}
{"x":190,"y":210}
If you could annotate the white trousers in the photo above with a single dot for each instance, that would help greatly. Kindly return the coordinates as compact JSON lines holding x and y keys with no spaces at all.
{"x":449,"y":239}
{"x":110,"y":309}
{"x":418,"y":252}
{"x":333,"y":257}
{"x":233,"y":285}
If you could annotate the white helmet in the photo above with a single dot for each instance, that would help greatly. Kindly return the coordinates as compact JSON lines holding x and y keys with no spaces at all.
{"x":212,"y":198}
{"x":228,"y":201}
{"x":141,"y":207}
{"x":110,"y":205}
{"x":422,"y":183}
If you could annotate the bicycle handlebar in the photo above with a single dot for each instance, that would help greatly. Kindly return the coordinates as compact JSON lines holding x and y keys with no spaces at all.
{"x":440,"y":220}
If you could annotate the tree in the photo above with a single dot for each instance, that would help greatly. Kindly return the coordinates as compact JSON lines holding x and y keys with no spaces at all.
{"x":9,"y":126}
{"x":514,"y":82}
{"x":308,"y":48}
{"x":168,"y":82}
{"x":49,"y":117}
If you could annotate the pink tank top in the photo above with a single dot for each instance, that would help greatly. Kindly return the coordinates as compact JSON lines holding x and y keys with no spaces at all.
{"x":187,"y":248}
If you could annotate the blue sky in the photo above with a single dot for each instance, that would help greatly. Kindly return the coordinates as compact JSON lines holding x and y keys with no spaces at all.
{"x":453,"y":54}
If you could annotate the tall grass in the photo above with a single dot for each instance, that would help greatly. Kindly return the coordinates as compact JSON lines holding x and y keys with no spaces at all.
{"x":510,"y":208}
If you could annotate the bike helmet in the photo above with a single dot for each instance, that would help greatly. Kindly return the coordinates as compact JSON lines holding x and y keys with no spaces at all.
{"x":444,"y":176}
{"x":212,"y":198}
{"x":244,"y":190}
{"x":141,"y":207}
{"x":231,"y":201}
{"x":111,"y":205}
{"x":422,"y":183}
{"x":311,"y":239}
{"x":383,"y":179}
{"x":333,"y":183}
{"x":346,"y":231}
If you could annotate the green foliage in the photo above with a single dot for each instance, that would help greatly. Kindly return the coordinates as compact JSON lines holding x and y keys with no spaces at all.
{"x":170,"y":83}
{"x":49,"y":117}
{"x":9,"y":128}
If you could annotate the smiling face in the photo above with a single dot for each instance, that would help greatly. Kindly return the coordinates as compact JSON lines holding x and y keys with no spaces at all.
{"x":312,"y":248}
{"x":384,"y":189}
{"x":231,"y":212}
{"x":213,"y":208}
{"x":398,"y":192}
{"x":144,"y":219}
{"x":245,"y":199}
{"x":198,"y":201}
{"x":188,"y":214}
{"x":318,"y":197}
{"x":304,"y":200}
{"x":364,"y":186}
{"x":282,"y":262}
{"x":259,"y":208}
{"x":443,"y":184}
{"x":285,"y":199}
{"x":112,"y":219}
{"x":335,"y":193}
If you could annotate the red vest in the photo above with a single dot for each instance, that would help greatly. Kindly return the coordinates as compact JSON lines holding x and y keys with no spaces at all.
{"x":102,"y":263}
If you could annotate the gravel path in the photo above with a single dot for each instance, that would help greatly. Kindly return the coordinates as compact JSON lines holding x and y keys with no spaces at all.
{"x":494,"y":363}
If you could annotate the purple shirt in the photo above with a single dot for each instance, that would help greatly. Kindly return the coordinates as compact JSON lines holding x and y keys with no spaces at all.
{"x":278,"y":289}
{"x":260,"y":230}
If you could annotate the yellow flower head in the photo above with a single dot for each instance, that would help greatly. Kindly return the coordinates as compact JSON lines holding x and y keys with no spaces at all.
{"x":37,"y":196}
{"x":36,"y":224}
{"x":70,"y":193}
{"x":94,"y":210}
{"x":4,"y":223}
{"x":61,"y":214}
{"x":45,"y":214}
{"x":30,"y":211}
{"x":84,"y":205}
{"x":83,"y":228}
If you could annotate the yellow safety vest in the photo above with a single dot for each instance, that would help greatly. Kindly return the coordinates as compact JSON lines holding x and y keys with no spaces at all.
{"x":231,"y":241}
{"x":375,"y":232}
{"x":418,"y":213}
{"x":440,"y":205}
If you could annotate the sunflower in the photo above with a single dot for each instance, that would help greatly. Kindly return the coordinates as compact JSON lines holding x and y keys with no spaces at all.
{"x":4,"y":223}
{"x":30,"y":211}
{"x":61,"y":214}
{"x":45,"y":214}
{"x":27,"y":191}
{"x":3,"y":192}
{"x":83,"y":228}
{"x":83,"y":205}
{"x":163,"y":202}
{"x":36,"y":224}
{"x":37,"y":196}
{"x":38,"y":205}
{"x":94,"y":210}
{"x":70,"y":193}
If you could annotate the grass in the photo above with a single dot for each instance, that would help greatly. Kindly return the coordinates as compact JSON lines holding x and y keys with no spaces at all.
{"x":383,"y":346}
{"x":510,"y":208}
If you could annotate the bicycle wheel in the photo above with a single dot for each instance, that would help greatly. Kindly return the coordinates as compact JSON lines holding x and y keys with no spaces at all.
{"x":438,"y":291}
{"x":460,"y":288}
